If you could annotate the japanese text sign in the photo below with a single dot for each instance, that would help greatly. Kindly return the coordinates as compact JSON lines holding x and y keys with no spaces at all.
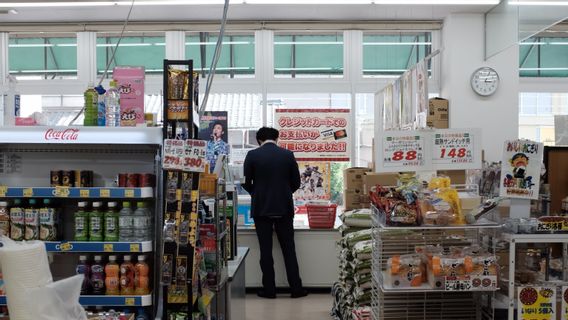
{"x":536,"y":303}
{"x":195,"y":152}
{"x":173,"y":154}
{"x":456,"y":149}
{"x":315,"y":134}
{"x":521,"y":166}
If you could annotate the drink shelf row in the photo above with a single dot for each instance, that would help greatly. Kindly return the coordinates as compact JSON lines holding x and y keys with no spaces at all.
{"x":99,"y":247}
{"x":111,"y":301}
{"x":78,"y":193}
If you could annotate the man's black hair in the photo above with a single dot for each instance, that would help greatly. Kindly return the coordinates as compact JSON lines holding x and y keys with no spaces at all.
{"x":218,"y":123}
{"x":266,"y":133}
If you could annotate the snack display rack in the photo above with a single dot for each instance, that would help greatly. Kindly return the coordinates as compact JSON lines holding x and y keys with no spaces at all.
{"x":35,"y":151}
{"x":450,"y":297}
{"x":511,"y":287}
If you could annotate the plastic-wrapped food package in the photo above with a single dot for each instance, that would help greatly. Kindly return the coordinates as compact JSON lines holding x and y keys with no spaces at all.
{"x":405,"y":270}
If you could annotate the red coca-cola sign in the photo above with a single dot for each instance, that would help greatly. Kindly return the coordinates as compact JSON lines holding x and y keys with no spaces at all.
{"x":66,"y":134}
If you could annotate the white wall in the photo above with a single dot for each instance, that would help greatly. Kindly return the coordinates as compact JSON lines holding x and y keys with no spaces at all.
{"x":463,"y":52}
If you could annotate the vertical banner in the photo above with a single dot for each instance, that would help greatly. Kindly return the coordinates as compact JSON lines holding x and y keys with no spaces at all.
{"x":388,"y":107}
{"x":315,"y":134}
{"x":315,"y":184}
{"x":456,"y":149}
{"x":564,"y":310}
{"x":401,"y":151}
{"x":406,"y":109}
{"x":536,"y":303}
{"x":213,"y":128}
{"x":561,"y":130}
{"x":521,"y":166}
{"x":396,"y":104}
{"x":422,"y":83}
{"x":414,"y":96}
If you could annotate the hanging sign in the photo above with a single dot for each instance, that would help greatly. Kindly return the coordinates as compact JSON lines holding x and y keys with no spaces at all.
{"x":520,"y":173}
{"x":315,"y":134}
{"x":456,"y":149}
{"x":564,"y":310}
{"x":404,"y":151}
{"x":195,"y":154}
{"x":536,"y":303}
{"x":173,"y":154}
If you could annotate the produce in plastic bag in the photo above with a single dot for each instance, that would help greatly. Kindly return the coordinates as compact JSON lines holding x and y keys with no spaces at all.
{"x":405,"y":270}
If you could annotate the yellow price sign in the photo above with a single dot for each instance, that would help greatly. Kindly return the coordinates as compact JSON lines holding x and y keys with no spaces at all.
{"x":129,"y":301}
{"x":85,"y":193}
{"x":135,"y":247}
{"x":105,"y":193}
{"x":62,"y":192}
{"x":129,"y":193}
{"x":28,"y":192}
{"x":108,"y":247}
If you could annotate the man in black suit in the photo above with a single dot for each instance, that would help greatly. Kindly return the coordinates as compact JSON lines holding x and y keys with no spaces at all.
{"x":271,"y":177}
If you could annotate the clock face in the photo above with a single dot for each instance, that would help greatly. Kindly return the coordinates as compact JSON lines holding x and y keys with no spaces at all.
{"x":485,"y":81}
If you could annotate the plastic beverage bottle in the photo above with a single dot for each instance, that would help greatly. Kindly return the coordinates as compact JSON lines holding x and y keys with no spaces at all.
{"x":127,"y":277}
{"x":85,"y":269}
{"x":112,"y":280}
{"x":142,"y":315}
{"x":141,"y":277}
{"x":82,"y":223}
{"x":142,"y":223}
{"x":96,"y":223}
{"x":111,"y":223}
{"x":98,"y":276}
{"x":4,"y":219}
{"x":91,"y":109}
{"x":47,"y":222}
{"x":126,"y":223}
{"x":17,"y":221}
{"x":112,"y":102}
{"x":101,"y":108}
{"x":32,"y":221}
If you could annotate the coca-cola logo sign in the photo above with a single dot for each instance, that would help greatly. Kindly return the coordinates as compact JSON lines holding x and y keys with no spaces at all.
{"x":65,"y":134}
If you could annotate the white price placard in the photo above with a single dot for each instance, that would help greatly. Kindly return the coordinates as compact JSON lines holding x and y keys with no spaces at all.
{"x":195,"y":153}
{"x":456,"y":149}
{"x":401,"y":151}
{"x":173,"y":154}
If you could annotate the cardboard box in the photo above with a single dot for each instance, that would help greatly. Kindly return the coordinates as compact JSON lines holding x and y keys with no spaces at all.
{"x":456,"y":176}
{"x":353,"y":178}
{"x":352,"y":199}
{"x":372,"y":179}
{"x":130,"y":81}
{"x":438,"y":113}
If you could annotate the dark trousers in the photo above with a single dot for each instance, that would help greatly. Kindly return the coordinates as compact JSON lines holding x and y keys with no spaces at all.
{"x":284,"y":228}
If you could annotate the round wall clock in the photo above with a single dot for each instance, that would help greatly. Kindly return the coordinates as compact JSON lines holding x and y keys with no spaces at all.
{"x":485,"y":81}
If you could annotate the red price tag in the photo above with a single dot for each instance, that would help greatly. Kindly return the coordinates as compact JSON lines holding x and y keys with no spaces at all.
{"x":401,"y":155}
{"x":453,"y":153}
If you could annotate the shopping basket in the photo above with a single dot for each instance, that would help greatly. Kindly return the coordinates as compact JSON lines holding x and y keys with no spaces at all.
{"x":321,"y":216}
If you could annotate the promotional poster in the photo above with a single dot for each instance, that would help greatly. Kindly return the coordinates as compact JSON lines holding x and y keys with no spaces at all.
{"x":213,"y":128}
{"x":521,"y":166}
{"x":315,"y":180}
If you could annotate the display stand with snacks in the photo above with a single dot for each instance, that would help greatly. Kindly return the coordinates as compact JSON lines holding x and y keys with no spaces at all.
{"x":178,"y":239}
{"x":433,"y":257}
{"x":63,"y":186}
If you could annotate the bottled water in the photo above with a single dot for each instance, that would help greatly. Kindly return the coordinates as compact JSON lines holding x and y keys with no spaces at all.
{"x":112,"y":103}
{"x":142,"y":223}
{"x":126,"y":223}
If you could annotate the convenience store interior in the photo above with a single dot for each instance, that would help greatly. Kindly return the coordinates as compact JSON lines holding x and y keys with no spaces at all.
{"x":270,"y":57}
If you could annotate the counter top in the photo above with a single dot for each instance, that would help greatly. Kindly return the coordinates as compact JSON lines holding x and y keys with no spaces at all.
{"x":239,"y":260}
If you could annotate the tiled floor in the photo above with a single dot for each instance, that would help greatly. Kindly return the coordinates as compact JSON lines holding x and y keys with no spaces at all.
{"x":312,"y":307}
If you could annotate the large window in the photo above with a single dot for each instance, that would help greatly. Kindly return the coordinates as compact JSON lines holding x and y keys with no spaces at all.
{"x":391,"y":55}
{"x":308,"y":55}
{"x":40,"y":57}
{"x":237,"y":54}
{"x":536,"y":115}
{"x":544,"y":57}
{"x":147,"y":50}
{"x":365,"y":129}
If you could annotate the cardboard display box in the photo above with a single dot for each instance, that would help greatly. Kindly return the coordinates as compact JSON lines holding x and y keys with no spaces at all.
{"x":438,"y":113}
{"x":372,"y":179}
{"x":456,"y":176}
{"x":353,"y":178}
{"x":352,"y":199}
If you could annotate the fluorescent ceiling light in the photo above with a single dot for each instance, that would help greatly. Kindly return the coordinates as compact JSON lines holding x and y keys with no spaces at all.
{"x":559,"y":43}
{"x":397,"y":43}
{"x":38,"y":4}
{"x":532,"y":43}
{"x":538,"y":3}
{"x":125,"y":45}
{"x":212,"y":43}
{"x":30,"y":45}
{"x":308,"y":42}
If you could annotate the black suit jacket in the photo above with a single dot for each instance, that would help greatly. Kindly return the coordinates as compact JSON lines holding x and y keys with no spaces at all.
{"x":271,"y":177}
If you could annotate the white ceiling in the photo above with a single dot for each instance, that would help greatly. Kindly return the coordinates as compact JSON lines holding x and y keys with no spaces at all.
{"x":242,"y":12}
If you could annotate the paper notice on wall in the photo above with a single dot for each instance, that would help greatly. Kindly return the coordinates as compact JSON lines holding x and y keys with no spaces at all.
{"x":315,"y":178}
{"x":536,"y":303}
{"x":521,"y":167}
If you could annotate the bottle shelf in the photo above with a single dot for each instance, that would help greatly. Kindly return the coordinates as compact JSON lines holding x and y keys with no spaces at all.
{"x":102,"y":247}
{"x":78,"y":193}
{"x":114,"y":301}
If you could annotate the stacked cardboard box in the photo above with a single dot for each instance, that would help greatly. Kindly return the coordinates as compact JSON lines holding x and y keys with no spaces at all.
{"x":353,"y":187}
{"x":438,"y":111}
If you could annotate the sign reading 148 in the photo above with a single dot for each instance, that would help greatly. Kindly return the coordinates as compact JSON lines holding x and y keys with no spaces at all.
{"x":453,"y":152}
